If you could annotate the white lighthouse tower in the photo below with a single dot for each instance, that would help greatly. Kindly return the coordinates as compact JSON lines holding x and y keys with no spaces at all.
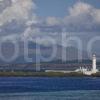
{"x":94,"y":70}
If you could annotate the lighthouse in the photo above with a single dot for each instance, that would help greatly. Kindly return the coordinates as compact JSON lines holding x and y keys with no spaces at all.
{"x":94,"y":70}
{"x":86,"y":71}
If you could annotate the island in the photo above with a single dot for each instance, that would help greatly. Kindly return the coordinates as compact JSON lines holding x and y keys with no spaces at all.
{"x":51,"y":69}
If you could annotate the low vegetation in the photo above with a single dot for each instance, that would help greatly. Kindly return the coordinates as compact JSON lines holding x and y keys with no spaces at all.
{"x":44,"y":74}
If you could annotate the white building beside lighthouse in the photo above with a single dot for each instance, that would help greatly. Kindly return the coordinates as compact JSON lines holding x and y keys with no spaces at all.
{"x":86,"y":71}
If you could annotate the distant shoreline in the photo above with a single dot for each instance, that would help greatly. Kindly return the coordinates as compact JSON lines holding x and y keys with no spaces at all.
{"x":45,"y":74}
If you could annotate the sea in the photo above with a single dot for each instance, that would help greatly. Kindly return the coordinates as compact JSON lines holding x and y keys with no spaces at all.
{"x":49,"y":88}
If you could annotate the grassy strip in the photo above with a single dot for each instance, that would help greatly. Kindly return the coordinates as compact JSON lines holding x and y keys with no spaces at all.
{"x":43,"y":74}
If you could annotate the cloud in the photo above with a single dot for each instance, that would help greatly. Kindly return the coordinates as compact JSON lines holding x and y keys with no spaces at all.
{"x":19,"y":18}
{"x":16,"y":16}
{"x":19,"y":21}
{"x":19,"y":10}
{"x":81,"y":18}
{"x":96,"y":16}
{"x":83,"y":15}
{"x":80,"y":8}
{"x":4,"y":4}
{"x":31,"y":33}
{"x":53,"y":21}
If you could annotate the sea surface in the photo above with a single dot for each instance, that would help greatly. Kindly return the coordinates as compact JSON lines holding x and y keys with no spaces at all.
{"x":45,"y":88}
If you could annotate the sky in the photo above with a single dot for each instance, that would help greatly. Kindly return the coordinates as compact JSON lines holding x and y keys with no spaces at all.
{"x":30,"y":19}
{"x":59,"y":7}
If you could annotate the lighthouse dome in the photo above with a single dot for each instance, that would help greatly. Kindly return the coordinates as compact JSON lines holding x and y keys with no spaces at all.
{"x":94,"y":55}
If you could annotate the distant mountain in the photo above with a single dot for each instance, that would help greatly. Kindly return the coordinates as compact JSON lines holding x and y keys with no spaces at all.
{"x":7,"y":50}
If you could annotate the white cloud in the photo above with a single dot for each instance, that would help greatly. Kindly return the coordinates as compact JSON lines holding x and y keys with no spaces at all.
{"x":31,"y":33}
{"x":19,"y":10}
{"x":82,"y":15}
{"x":80,"y":8}
{"x":53,"y":21}
{"x":96,"y":15}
